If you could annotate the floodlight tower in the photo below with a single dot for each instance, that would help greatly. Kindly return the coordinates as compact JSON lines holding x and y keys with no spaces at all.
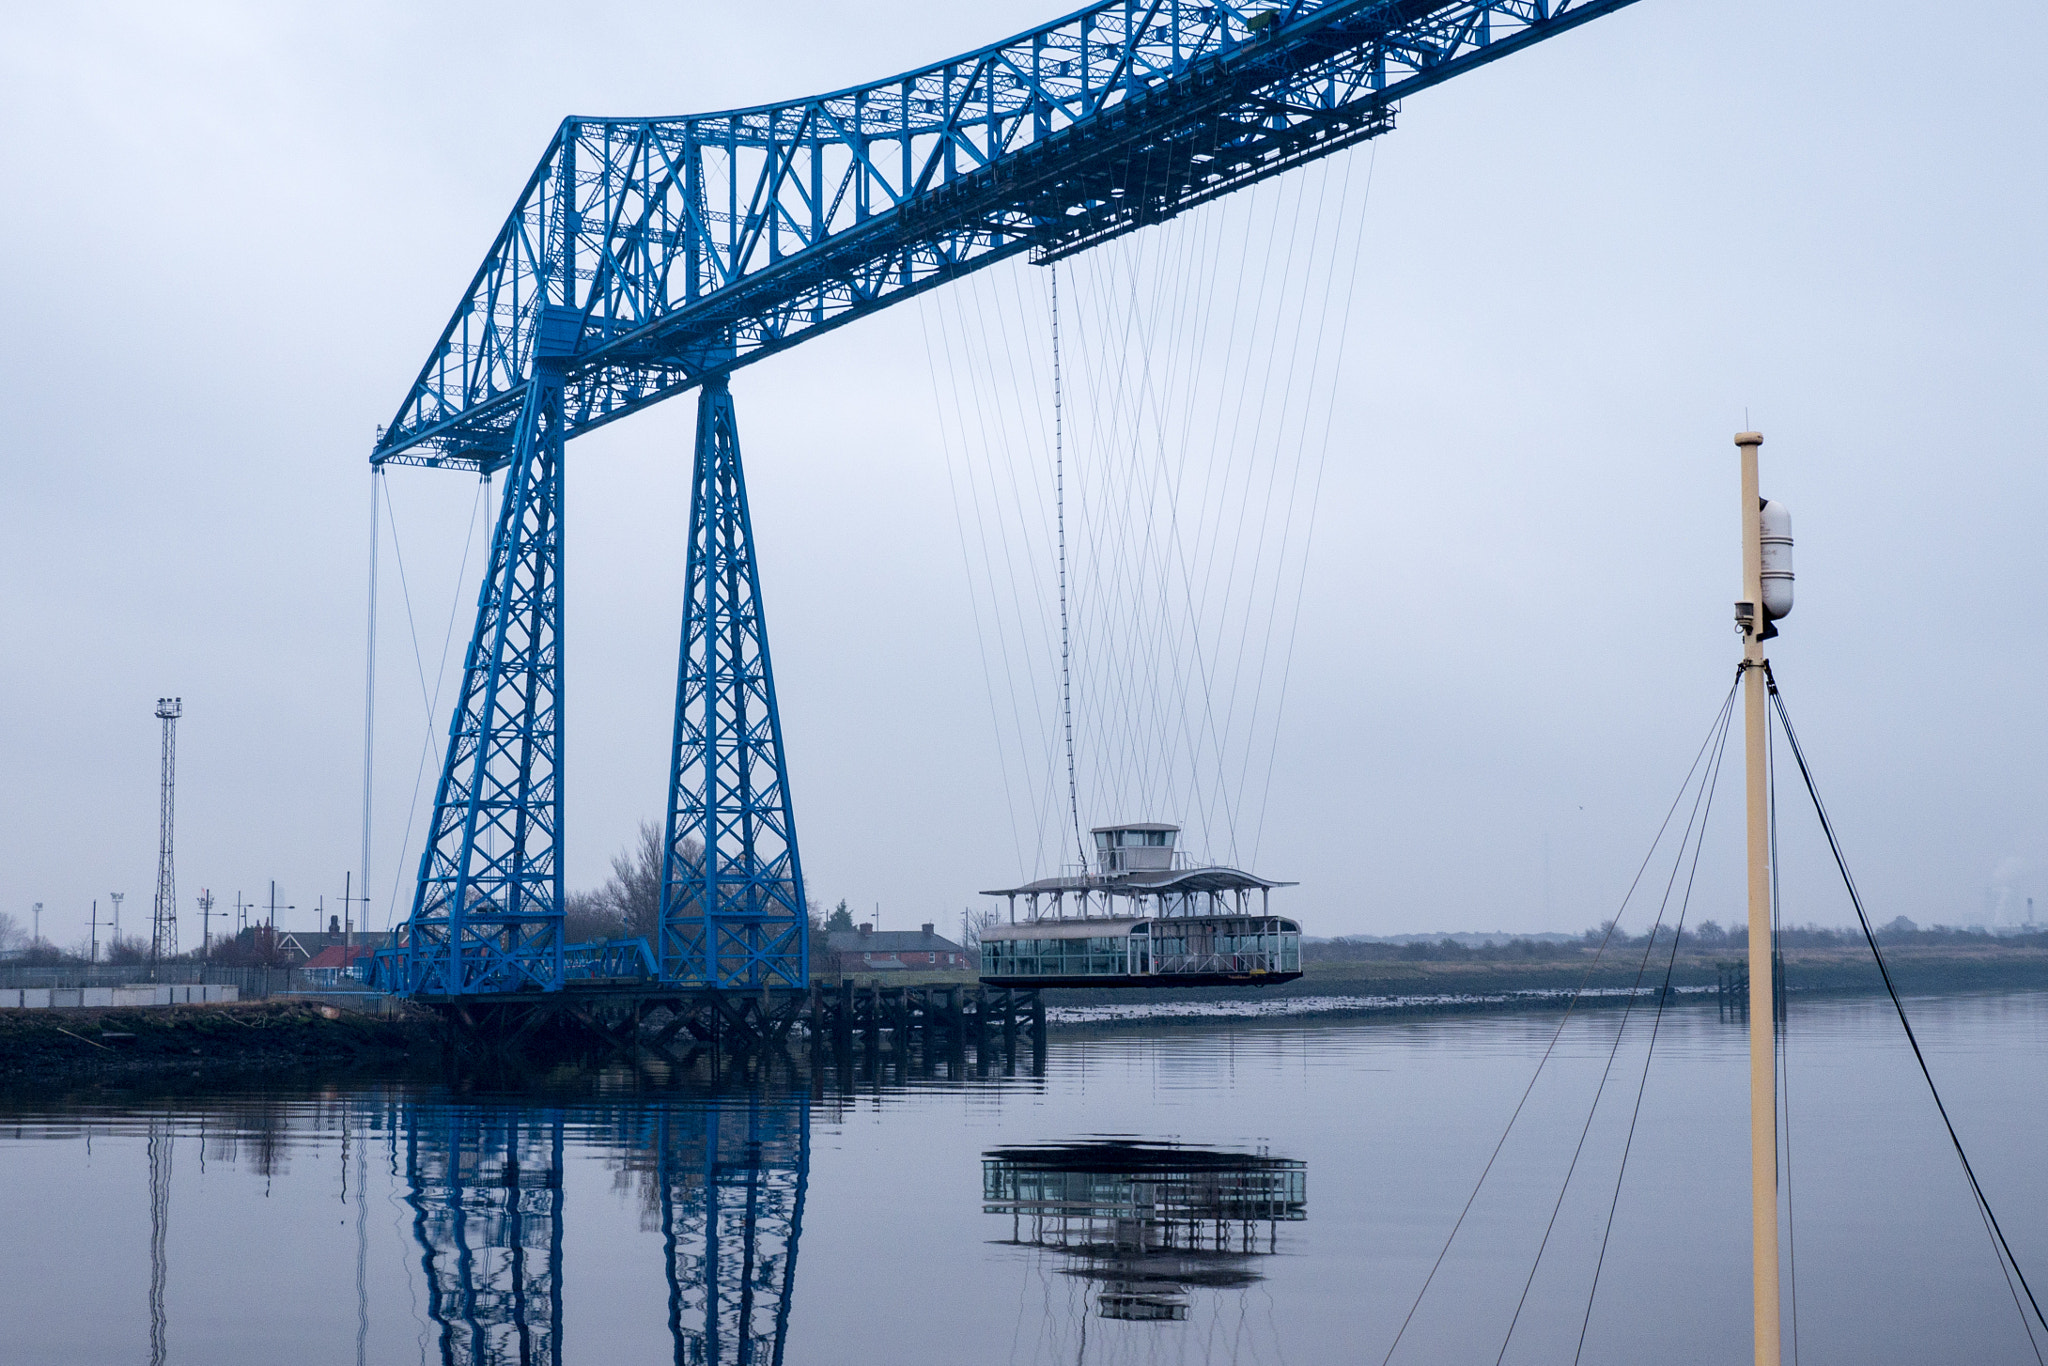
{"x":163,"y":928}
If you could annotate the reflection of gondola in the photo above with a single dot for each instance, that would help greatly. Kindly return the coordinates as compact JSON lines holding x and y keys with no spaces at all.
{"x":1149,"y":1223}
{"x":1145,"y":917}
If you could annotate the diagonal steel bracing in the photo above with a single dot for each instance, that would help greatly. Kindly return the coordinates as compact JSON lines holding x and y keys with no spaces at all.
{"x":487,"y":912}
{"x":732,"y":903}
{"x":649,"y":256}
{"x":664,"y":251}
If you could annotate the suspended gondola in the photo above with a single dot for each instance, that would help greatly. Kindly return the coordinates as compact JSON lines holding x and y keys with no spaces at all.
{"x":1144,"y":916}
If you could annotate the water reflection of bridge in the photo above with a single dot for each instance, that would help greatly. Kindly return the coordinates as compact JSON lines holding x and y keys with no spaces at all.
{"x":1147,"y":1223}
{"x":726,"y":1180}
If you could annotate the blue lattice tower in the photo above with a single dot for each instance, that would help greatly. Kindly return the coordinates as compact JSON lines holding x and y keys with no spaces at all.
{"x":487,"y":911}
{"x":732,"y":903}
{"x":485,"y":1187}
{"x":646,"y":257}
{"x":731,"y":1181}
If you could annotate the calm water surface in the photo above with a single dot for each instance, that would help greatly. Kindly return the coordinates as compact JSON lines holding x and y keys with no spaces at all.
{"x":1257,"y":1193}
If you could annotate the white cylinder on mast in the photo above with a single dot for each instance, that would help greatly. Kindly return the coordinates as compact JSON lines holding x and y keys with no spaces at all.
{"x":1776,"y":525}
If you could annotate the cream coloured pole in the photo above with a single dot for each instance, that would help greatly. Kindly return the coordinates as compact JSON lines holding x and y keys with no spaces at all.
{"x":1763,"y":1077}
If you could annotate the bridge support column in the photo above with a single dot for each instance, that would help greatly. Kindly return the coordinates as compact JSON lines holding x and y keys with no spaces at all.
{"x":732,"y":897}
{"x":487,"y":912}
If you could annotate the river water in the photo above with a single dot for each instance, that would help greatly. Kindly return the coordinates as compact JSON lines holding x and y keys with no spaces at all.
{"x":1252,"y":1192}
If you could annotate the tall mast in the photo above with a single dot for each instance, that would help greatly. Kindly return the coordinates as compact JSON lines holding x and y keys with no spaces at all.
{"x":163,"y":921}
{"x":1763,"y":1074}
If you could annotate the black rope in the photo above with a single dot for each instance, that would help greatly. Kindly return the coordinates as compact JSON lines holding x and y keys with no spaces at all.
{"x":2007,"y":1260}
{"x":1570,"y":1007}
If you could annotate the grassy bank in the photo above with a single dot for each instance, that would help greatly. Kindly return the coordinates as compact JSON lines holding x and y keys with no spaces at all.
{"x":1917,"y":968}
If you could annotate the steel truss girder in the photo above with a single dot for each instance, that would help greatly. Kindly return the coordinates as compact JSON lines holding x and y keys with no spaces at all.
{"x":487,"y":910}
{"x":647,"y":255}
{"x":732,"y":898}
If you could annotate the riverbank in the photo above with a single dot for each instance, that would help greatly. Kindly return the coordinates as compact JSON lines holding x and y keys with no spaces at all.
{"x":1522,"y":983}
{"x":252,"y":1040}
{"x":44,"y":1046}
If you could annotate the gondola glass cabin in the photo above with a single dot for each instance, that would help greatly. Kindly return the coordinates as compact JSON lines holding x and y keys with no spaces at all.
{"x":1143,"y":917}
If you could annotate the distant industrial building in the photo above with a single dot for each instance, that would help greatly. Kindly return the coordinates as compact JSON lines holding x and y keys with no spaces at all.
{"x":867,"y":949}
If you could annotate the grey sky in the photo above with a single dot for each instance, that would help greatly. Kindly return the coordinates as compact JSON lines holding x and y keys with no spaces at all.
{"x":238,"y":228}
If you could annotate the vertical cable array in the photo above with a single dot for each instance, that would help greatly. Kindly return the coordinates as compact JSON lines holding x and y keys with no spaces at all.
{"x":1134,"y":612}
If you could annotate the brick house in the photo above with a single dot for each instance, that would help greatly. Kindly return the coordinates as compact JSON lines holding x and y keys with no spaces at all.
{"x":868,"y":949}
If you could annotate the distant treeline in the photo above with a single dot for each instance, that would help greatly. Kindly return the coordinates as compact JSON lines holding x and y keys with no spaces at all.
{"x":1706,"y":937}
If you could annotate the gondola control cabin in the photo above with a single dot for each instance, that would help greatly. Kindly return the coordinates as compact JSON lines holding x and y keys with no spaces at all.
{"x":1144,"y":916}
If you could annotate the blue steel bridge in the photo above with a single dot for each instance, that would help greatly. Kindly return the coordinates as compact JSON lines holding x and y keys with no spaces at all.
{"x":646,"y":257}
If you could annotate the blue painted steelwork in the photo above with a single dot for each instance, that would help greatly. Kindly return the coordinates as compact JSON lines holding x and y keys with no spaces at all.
{"x":610,"y":959}
{"x":727,"y":1180}
{"x":648,"y":256}
{"x":487,"y":910}
{"x":732,"y":1189}
{"x":732,"y":886}
{"x":485,"y":1187}
{"x":662,"y":251}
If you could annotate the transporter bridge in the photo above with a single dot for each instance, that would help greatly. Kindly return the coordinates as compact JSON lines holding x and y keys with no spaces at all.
{"x":647,"y":257}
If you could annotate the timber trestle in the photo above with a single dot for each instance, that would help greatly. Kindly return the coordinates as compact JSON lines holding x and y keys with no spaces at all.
{"x":854,"y":1024}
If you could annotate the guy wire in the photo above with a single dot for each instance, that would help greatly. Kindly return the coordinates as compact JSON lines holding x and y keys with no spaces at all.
{"x":1571,"y":1006}
{"x":1782,"y":1031}
{"x":1695,"y":833}
{"x":2009,"y":1265}
{"x":1656,"y":1027}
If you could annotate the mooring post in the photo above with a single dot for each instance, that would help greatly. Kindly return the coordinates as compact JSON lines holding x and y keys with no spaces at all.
{"x":980,"y":1026}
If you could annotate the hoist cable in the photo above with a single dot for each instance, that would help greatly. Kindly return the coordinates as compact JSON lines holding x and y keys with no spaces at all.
{"x":1059,"y":479}
{"x":2008,"y":1263}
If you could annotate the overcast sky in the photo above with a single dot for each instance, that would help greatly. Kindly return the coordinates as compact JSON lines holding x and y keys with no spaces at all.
{"x":236,"y":230}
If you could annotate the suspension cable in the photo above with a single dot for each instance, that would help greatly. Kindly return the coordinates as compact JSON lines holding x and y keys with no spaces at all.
{"x":2008,"y":1263}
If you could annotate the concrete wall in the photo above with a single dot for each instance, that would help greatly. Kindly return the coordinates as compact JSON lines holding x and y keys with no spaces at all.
{"x":103,"y":998}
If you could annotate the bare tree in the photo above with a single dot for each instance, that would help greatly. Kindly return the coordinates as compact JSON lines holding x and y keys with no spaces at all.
{"x":628,"y":904}
{"x":973,"y":924}
{"x":12,"y":936}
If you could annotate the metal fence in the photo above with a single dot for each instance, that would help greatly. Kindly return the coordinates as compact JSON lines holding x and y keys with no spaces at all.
{"x":256,"y":984}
